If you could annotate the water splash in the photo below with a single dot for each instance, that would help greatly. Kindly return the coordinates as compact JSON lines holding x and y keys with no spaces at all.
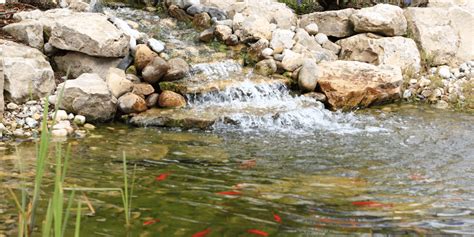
{"x":217,"y":70}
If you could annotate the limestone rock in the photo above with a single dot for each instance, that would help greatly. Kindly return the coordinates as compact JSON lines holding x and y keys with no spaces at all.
{"x":331,"y":23}
{"x":312,"y":29}
{"x":156,"y":45}
{"x":88,"y":95}
{"x":266,"y":67}
{"x":377,"y":50}
{"x":89,"y":33}
{"x":169,"y":99}
{"x":28,"y":31}
{"x":143,"y":56}
{"x":385,"y":19}
{"x":291,"y":60}
{"x":46,"y":18}
{"x":79,"y":63}
{"x":350,"y":84}
{"x":131,"y":103}
{"x":432,"y":31}
{"x":308,"y":75}
{"x":117,"y":82}
{"x":202,"y":21}
{"x":462,"y":21}
{"x":2,"y":100}
{"x":178,"y":69}
{"x":183,"y":4}
{"x":26,"y":72}
{"x":252,"y":28}
{"x":281,"y":40}
{"x":143,"y":89}
{"x":222,"y":32}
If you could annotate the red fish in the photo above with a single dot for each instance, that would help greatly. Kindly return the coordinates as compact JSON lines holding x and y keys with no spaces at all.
{"x":371,"y":204}
{"x":277,"y":218}
{"x":151,"y":222}
{"x":257,"y":232}
{"x":162,"y":177}
{"x":248,"y":164}
{"x":202,"y":233}
{"x":231,"y":193}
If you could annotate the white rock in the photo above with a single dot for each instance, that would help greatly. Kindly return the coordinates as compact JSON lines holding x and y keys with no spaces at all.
{"x":79,"y":120}
{"x":332,"y":23}
{"x":291,"y":60}
{"x":59,"y":133}
{"x":61,"y":115}
{"x":312,"y":28}
{"x":267,"y":52}
{"x":321,"y":38}
{"x":31,"y":122}
{"x":385,"y":19}
{"x":156,"y":45}
{"x":70,"y":116}
{"x":117,"y":82}
{"x":28,"y":31}
{"x":444,"y":72}
{"x":281,"y":40}
{"x":12,"y":106}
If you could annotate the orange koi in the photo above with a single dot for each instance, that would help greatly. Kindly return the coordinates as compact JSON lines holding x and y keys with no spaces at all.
{"x":202,"y":233}
{"x":231,"y":193}
{"x":162,"y":177}
{"x":257,"y":232}
{"x":151,"y":222}
{"x":371,"y":204}
{"x":277,"y":218}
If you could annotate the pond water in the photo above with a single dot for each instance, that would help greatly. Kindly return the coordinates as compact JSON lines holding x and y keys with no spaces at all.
{"x":411,"y":175}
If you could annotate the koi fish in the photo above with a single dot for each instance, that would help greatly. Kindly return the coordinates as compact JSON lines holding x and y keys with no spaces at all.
{"x":371,"y":204}
{"x":231,"y":193}
{"x":257,"y":232}
{"x":202,"y":233}
{"x":151,"y":222}
{"x":248,"y":164}
{"x":162,"y":177}
{"x":277,"y":218}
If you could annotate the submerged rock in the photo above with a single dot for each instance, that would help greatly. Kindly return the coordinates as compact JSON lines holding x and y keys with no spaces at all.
{"x":88,"y":95}
{"x":349,"y":84}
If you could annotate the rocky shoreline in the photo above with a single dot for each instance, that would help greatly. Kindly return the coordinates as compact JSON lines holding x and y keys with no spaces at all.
{"x":348,"y":59}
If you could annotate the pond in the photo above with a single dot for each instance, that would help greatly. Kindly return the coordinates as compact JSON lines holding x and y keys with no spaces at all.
{"x":399,"y":169}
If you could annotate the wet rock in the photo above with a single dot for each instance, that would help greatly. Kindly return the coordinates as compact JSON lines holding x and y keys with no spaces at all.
{"x":170,"y":99}
{"x":222,"y":32}
{"x":202,"y":21}
{"x":89,"y":126}
{"x":266,"y":67}
{"x":308,"y":75}
{"x":207,"y":35}
{"x":281,"y":40}
{"x":91,"y":34}
{"x":385,"y":19}
{"x":156,"y":45}
{"x":377,"y":50}
{"x":143,"y":89}
{"x":350,"y":84}
{"x":317,"y":96}
{"x":125,"y":62}
{"x":26,"y":72}
{"x":174,"y":118}
{"x":291,"y":60}
{"x":232,"y":40}
{"x":79,"y":63}
{"x":312,"y":29}
{"x":441,"y":104}
{"x":143,"y":56}
{"x":118,"y":83}
{"x":63,"y":125}
{"x":152,"y":100}
{"x":28,"y":31}
{"x":331,"y":23}
{"x":178,"y":69}
{"x":131,"y":103}
{"x":89,"y":96}
{"x":155,"y":70}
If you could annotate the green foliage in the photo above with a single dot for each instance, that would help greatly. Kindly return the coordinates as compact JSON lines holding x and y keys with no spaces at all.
{"x":306,"y":6}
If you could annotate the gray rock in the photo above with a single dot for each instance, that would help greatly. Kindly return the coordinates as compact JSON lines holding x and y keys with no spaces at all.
{"x":196,"y":9}
{"x":156,"y":45}
{"x":216,"y":13}
{"x":89,"y":96}
{"x":78,"y":63}
{"x":266,"y":67}
{"x":155,"y":70}
{"x":385,"y":19}
{"x":28,"y":31}
{"x":331,"y":23}
{"x":91,"y":34}
{"x":178,"y":69}
{"x":308,"y":76}
{"x":152,"y":100}
{"x":26,"y":72}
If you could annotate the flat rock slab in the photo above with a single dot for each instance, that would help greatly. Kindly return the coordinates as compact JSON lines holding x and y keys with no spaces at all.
{"x":198,"y":85}
{"x":183,"y":118}
{"x":89,"y":33}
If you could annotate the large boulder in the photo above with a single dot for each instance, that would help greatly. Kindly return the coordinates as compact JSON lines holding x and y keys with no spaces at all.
{"x":89,"y":33}
{"x":28,"y":75}
{"x":331,"y":23}
{"x":377,"y":50}
{"x":350,"y":84}
{"x":79,"y":63}
{"x":88,"y":95}
{"x":462,"y":21}
{"x":252,"y":28}
{"x":46,"y":18}
{"x":29,"y":31}
{"x":117,"y":82}
{"x":431,"y":28}
{"x":385,"y":19}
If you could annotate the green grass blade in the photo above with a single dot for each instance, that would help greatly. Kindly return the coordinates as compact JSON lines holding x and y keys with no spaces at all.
{"x":78,"y":220}
{"x":46,"y":231}
{"x":68,"y":211}
{"x":132,"y":188}
{"x":125,"y":190}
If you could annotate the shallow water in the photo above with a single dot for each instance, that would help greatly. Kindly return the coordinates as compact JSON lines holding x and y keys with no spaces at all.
{"x":417,"y":170}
